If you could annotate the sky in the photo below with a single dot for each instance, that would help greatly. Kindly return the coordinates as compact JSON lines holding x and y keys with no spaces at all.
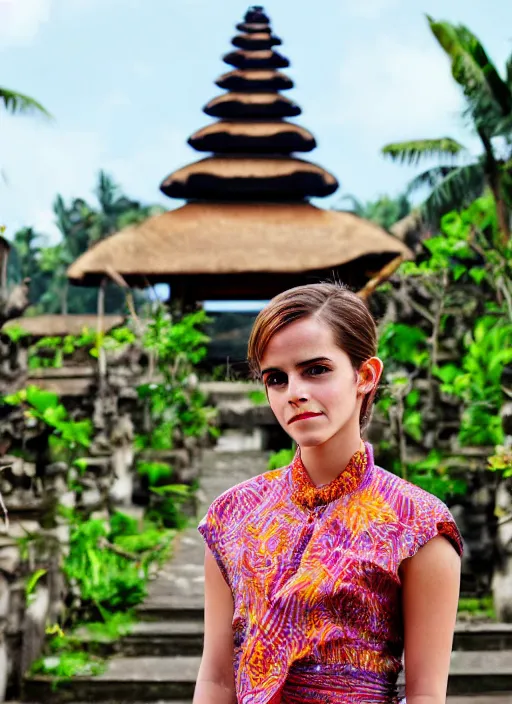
{"x":126,"y":81}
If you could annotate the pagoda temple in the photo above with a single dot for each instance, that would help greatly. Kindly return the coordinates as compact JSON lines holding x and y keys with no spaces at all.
{"x":247,"y":230}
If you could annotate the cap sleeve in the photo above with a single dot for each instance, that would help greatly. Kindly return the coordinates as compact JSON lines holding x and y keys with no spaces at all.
{"x":210,"y":528}
{"x":435,"y":519}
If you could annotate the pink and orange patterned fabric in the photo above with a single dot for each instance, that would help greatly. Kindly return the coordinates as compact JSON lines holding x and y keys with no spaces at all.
{"x":314,"y":574}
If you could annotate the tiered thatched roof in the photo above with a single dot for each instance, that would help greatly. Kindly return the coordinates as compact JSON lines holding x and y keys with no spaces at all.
{"x":227,"y":137}
{"x":257,"y":41}
{"x":265,"y":80}
{"x":249,"y":178}
{"x":247,"y":230}
{"x":252,"y":106}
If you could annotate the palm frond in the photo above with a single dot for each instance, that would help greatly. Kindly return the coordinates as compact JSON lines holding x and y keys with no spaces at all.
{"x":457,"y":190}
{"x":431,"y":178}
{"x":356,"y":206}
{"x":503,"y":128}
{"x":106,"y":191}
{"x":416,"y":150}
{"x":17,"y":103}
{"x":508,"y":68}
{"x":472,"y":68}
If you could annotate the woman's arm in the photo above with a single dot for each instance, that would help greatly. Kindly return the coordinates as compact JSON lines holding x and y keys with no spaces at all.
{"x":431,"y":583}
{"x":215,"y":680}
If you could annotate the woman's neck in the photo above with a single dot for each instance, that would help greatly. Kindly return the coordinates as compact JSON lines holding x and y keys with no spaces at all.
{"x":327,"y":461}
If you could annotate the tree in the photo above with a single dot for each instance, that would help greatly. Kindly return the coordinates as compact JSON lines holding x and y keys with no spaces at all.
{"x":24,"y":262}
{"x":81,"y":226}
{"x":384,"y":211}
{"x":117,"y":211}
{"x":489,"y":109}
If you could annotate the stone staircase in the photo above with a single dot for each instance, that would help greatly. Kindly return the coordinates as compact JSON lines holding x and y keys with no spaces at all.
{"x":159,"y":659}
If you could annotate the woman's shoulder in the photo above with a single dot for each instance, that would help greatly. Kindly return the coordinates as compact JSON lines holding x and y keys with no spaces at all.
{"x":403,"y":493}
{"x":248,"y":493}
{"x":416,"y":509}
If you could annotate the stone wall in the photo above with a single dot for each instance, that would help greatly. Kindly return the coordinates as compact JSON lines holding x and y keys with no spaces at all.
{"x":35,"y":485}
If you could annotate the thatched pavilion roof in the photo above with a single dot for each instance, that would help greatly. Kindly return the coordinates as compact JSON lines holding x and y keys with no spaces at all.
{"x":247,"y":230}
{"x":39,"y":326}
{"x":213,"y":240}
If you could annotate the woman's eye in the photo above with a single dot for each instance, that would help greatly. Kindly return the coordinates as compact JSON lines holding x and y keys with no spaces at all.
{"x":317,"y":370}
{"x":275,"y":379}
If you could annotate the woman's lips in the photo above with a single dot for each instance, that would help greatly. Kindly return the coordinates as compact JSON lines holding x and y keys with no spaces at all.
{"x":304,"y":416}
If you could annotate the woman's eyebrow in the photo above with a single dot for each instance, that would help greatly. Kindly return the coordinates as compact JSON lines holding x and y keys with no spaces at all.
{"x":299,"y":365}
{"x":315,"y":360}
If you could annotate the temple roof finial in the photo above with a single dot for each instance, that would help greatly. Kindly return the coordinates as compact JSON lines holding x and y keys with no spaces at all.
{"x":252,"y":144}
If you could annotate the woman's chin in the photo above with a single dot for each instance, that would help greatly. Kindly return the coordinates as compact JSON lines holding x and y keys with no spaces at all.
{"x":310,"y":439}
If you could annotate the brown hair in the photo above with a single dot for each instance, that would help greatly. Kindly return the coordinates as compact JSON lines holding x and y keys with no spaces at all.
{"x":346,"y":314}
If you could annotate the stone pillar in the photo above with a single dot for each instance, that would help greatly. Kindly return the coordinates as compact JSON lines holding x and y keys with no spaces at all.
{"x":502,"y":580}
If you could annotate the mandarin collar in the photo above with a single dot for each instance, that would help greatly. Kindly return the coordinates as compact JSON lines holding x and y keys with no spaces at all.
{"x":309,"y":496}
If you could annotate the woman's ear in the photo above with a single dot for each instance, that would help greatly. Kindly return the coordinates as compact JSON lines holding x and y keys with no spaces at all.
{"x":369,"y":375}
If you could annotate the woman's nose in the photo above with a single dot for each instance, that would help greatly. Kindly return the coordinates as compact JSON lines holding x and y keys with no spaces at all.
{"x":296,"y":392}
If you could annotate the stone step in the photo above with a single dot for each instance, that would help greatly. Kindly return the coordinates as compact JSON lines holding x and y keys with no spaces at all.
{"x":172,"y":608}
{"x":152,"y":679}
{"x":483,"y":637}
{"x":479,"y":672}
{"x":185,"y":637}
{"x":141,"y":679}
{"x":164,"y":639}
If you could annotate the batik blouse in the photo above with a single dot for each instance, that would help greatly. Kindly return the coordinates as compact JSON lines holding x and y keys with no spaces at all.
{"x":314,"y":574}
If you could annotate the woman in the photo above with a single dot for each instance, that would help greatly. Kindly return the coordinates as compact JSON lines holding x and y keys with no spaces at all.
{"x":321,"y":575}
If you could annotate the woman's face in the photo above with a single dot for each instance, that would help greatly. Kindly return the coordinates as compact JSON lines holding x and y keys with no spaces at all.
{"x":312,"y":387}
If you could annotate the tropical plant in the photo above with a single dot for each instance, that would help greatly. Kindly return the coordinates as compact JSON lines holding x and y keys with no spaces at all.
{"x":384,"y":211}
{"x":488,"y":96}
{"x":176,"y":407}
{"x":443,"y":373}
{"x":281,"y":458}
{"x":66,"y":437}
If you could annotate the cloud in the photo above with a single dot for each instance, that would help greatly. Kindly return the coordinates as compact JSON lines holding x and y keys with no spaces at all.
{"x":21,"y":20}
{"x":398,"y":89}
{"x":141,"y":172}
{"x":40,"y":161}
